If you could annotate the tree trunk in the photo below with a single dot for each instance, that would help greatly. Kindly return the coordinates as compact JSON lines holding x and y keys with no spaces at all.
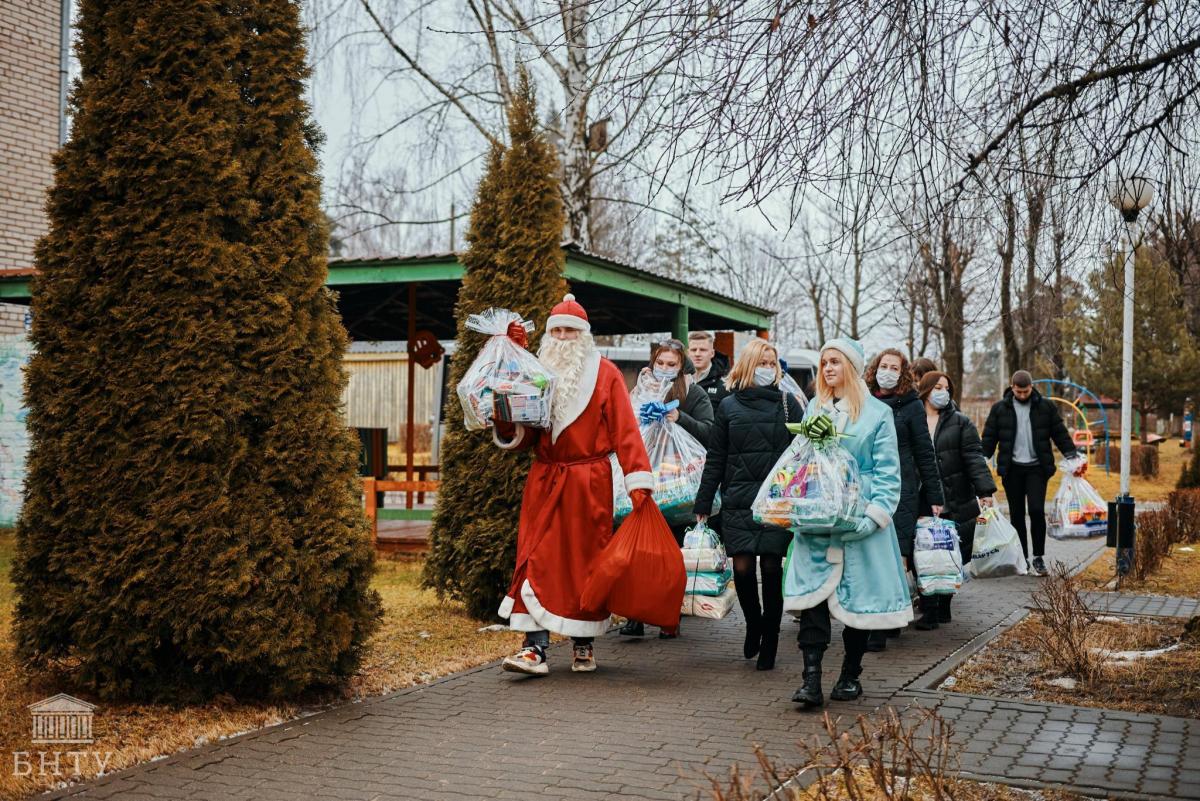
{"x":1058,"y":351}
{"x":1035,"y":201}
{"x":577,"y":160}
{"x":1007,"y":249}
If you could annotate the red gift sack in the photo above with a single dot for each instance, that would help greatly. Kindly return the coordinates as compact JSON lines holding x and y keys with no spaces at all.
{"x":640,"y":573}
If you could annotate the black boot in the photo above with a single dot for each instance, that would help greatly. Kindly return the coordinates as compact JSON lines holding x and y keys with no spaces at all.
{"x":892,"y":633}
{"x":633,"y":628}
{"x":928,"y":621}
{"x":877,"y":640}
{"x":944,"y":608}
{"x":670,"y":634}
{"x":754,"y":637}
{"x":766,"y":656}
{"x":810,"y":695}
{"x":847,"y":687}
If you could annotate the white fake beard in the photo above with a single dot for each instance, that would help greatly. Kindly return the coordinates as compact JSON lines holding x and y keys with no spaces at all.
{"x":566,"y":358}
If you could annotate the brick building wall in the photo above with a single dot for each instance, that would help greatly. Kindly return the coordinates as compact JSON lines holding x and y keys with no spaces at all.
{"x":30,"y":49}
{"x":12,"y":318}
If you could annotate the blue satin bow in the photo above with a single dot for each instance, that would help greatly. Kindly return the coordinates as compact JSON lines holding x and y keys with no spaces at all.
{"x":655,"y":410}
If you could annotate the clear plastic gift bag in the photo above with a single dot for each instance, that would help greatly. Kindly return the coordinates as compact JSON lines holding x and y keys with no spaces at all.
{"x":1078,"y":510}
{"x":996,"y":552}
{"x":936,"y":557}
{"x":676,"y":458}
{"x":708,"y":568}
{"x":814,"y":486}
{"x":790,"y":386}
{"x":505,"y":382}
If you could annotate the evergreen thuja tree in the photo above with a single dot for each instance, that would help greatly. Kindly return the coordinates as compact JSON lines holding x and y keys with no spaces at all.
{"x":514,"y":260}
{"x":192,"y":520}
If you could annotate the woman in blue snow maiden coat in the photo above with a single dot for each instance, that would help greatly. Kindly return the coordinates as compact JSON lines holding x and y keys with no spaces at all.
{"x":854,"y":577}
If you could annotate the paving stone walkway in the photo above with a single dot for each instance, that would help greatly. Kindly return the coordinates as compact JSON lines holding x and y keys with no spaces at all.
{"x":660,"y":716}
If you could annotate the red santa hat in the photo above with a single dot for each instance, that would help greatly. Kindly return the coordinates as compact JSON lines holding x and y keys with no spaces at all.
{"x":568,"y":314}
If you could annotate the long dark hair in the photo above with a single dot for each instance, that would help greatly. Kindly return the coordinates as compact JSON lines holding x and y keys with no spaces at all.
{"x":906,"y":376}
{"x":679,"y":387}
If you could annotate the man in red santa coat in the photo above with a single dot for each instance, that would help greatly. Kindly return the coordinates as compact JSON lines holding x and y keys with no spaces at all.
{"x":567,"y":507}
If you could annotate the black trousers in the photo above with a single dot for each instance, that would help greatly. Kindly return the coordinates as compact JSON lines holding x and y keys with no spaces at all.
{"x":816,"y":631}
{"x":1025,"y":486}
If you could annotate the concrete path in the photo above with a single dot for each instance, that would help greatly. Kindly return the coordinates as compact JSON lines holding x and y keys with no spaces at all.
{"x":657,"y":718}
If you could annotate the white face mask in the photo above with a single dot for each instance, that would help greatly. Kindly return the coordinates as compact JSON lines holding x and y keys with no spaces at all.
{"x":764,"y":376}
{"x":665,"y":375}
{"x":940,"y":398}
{"x":887,"y":379}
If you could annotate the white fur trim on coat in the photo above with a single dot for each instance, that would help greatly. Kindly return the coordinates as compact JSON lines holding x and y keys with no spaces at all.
{"x":512,"y":443}
{"x":880,"y":515}
{"x":567,"y":321}
{"x":871,"y":621}
{"x":539,"y":618}
{"x":642,"y":479}
{"x":798,"y":603}
{"x":587,"y":388}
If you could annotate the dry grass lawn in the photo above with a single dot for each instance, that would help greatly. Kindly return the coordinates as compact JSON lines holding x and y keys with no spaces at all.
{"x":420,"y":639}
{"x":1013,"y":666}
{"x":962,"y":790}
{"x":1178,"y":575}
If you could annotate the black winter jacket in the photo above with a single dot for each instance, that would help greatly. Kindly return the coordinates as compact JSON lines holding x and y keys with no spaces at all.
{"x":748,"y":437}
{"x":1000,"y":430}
{"x":965,"y":474}
{"x":918,"y":465}
{"x":696,"y":414}
{"x":714,"y":382}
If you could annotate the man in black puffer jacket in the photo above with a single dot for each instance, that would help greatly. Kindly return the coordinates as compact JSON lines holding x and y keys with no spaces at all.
{"x":711,"y":366}
{"x":1023,"y":425}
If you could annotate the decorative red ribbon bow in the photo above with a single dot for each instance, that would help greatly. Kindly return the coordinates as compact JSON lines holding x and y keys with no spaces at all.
{"x":516,"y":332}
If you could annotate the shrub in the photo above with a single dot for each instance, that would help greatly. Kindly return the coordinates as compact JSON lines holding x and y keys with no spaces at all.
{"x":1185,"y":504}
{"x":1156,"y":532}
{"x":1066,"y":618}
{"x":1189,"y":478}
{"x":514,"y":261}
{"x":192,"y":522}
{"x":1145,"y":460}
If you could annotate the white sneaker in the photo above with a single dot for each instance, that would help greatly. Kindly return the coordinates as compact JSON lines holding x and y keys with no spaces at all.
{"x":584,"y":659}
{"x":1038,"y":567}
{"x":530,"y":660}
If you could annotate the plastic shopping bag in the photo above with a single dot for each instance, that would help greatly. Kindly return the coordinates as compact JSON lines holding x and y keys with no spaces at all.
{"x":814,"y":486}
{"x":676,"y":457}
{"x":708,"y":569}
{"x":1078,"y":510}
{"x":996,"y":552}
{"x":711,"y":606}
{"x":505,"y":382}
{"x":937,"y":557}
{"x":639,"y":574}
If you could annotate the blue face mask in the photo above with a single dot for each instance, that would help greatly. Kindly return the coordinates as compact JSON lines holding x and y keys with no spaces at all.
{"x":940,"y":398}
{"x":665,"y":375}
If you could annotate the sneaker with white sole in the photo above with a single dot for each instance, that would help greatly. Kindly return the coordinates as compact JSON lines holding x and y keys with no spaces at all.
{"x":1038,"y":567}
{"x":530,"y":660}
{"x":584,"y":659}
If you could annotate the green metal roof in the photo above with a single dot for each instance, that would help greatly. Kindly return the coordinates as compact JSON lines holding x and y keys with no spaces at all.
{"x":619,"y":297}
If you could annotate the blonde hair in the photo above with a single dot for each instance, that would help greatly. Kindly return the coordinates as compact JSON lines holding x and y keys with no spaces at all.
{"x":854,"y":390}
{"x":742,"y":374}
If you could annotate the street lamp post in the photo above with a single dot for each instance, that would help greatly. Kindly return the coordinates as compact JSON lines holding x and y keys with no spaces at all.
{"x":1130,"y":196}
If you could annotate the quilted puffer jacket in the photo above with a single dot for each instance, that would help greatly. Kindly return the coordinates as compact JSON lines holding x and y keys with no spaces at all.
{"x":747,"y":438}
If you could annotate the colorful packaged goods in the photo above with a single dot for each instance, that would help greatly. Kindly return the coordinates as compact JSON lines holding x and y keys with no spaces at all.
{"x":505,"y":382}
{"x":936,"y":557}
{"x":996,"y":552}
{"x":1078,"y":510}
{"x":710,"y":606}
{"x":676,"y":457}
{"x":815,"y":485}
{"x":708,"y":569}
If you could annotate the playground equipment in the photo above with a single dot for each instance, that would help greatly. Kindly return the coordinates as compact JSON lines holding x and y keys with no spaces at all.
{"x":1084,"y":436}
